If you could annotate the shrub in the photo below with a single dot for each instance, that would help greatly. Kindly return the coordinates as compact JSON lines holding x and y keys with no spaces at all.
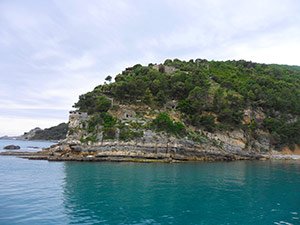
{"x":104,"y":119}
{"x":206,"y":121}
{"x":109,"y":133}
{"x":127,"y":134}
{"x":163,"y":122}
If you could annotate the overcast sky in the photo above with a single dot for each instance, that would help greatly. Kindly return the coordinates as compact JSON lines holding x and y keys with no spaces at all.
{"x":53,"y":51}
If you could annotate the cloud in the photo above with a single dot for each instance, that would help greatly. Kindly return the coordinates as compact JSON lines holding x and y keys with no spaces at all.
{"x":82,"y":62}
{"x":18,"y":125}
{"x":53,"y":51}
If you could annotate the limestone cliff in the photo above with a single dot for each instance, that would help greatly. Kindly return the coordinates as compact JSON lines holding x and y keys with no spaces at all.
{"x":152,"y":145}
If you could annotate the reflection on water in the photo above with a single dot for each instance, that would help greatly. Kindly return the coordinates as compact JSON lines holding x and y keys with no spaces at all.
{"x":200,"y":193}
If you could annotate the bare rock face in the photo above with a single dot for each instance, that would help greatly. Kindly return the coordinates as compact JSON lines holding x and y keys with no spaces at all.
{"x":234,"y":141}
{"x":76,"y":119}
{"x":29,"y":135}
{"x":262,"y":142}
{"x":220,"y":145}
{"x":253,"y":115}
{"x":12,"y":147}
{"x":76,"y":123}
{"x":247,"y":116}
{"x":125,"y":113}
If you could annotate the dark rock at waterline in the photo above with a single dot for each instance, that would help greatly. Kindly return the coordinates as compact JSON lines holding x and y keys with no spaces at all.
{"x":34,"y":147}
{"x":12,"y":147}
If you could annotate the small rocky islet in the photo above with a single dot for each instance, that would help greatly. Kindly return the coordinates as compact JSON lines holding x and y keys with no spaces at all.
{"x":195,"y":110}
{"x":12,"y":147}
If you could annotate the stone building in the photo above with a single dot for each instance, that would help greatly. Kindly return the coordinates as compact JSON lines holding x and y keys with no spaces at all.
{"x":164,"y":69}
{"x":76,"y":118}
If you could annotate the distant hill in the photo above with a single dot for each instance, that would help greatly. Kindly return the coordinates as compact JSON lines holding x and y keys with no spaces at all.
{"x":58,"y":132}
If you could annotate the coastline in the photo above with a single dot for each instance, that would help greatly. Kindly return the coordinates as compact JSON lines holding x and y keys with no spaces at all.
{"x":117,"y":157}
{"x":59,"y":153}
{"x":143,"y":152}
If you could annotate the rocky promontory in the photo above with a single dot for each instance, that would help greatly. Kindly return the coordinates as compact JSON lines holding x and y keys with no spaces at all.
{"x":186,"y":111}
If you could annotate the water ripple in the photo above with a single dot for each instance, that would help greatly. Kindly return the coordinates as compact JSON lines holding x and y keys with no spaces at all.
{"x":39,"y":192}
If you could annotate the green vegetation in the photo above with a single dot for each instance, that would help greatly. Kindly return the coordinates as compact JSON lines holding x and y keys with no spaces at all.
{"x":91,"y":138}
{"x":108,"y":78}
{"x":107,"y":123}
{"x":210,"y":95}
{"x":163,"y":122}
{"x":58,"y":132}
{"x":283,"y":132}
{"x":92,"y":102}
{"x":127,"y":134}
{"x":197,"y":137}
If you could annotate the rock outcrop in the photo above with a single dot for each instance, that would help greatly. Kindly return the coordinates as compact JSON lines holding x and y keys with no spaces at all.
{"x":30,"y":134}
{"x":12,"y":147}
{"x":153,"y":146}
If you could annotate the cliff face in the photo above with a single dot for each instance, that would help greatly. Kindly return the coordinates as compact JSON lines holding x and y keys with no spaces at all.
{"x":150,"y":144}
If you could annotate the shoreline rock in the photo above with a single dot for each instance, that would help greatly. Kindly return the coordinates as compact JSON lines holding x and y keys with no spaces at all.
{"x":11,"y":147}
{"x":139,"y":152}
{"x":127,"y":152}
{"x":284,"y":157}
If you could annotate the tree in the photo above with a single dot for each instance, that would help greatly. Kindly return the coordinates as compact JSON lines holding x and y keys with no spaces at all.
{"x":161,"y":98}
{"x":198,"y":98}
{"x":148,"y":97}
{"x":102,"y":104}
{"x":163,"y":122}
{"x":108,"y":78}
{"x":206,"y":121}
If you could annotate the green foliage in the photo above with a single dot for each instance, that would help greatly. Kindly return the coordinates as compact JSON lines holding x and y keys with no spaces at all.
{"x":93,"y":122}
{"x":104,"y":119}
{"x":196,"y":137}
{"x":203,"y":87}
{"x":283,"y":133}
{"x":108,"y":120}
{"x":198,"y":98}
{"x":108,"y":78}
{"x":163,"y":122}
{"x":127,"y":134}
{"x":230,"y":116}
{"x":102,"y":104}
{"x":205,"y":121}
{"x":185,"y":106}
{"x":161,"y":98}
{"x":58,"y":132}
{"x":109,"y":133}
{"x":91,"y":138}
{"x":93,"y":103}
{"x":148,"y":97}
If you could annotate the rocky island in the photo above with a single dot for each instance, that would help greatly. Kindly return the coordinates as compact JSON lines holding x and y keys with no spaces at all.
{"x":185,"y":111}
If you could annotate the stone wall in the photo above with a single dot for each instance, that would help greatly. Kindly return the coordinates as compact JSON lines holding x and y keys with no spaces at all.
{"x":164,"y":69}
{"x":76,"y":125}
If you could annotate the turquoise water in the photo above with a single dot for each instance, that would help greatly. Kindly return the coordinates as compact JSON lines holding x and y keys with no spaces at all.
{"x":245,"y":192}
{"x":25,"y":145}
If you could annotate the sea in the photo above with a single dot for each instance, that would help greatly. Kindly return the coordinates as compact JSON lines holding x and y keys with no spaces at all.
{"x":241,"y":192}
